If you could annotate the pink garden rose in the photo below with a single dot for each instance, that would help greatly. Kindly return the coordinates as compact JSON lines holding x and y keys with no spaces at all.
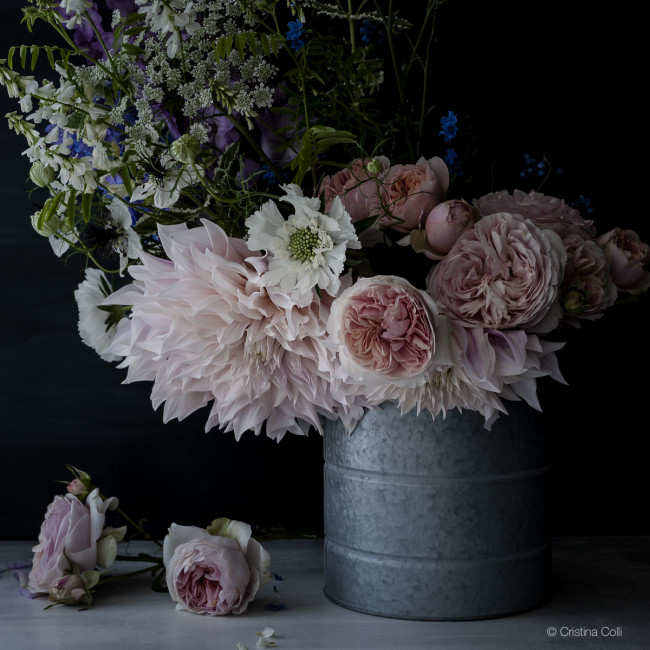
{"x":214,"y":571}
{"x":445,"y":224}
{"x":503,"y":273}
{"x":587,"y":289}
{"x":356,"y":186}
{"x":384,"y":329}
{"x":71,"y":528}
{"x":546,"y":212}
{"x":628,"y":258}
{"x":409,"y":192}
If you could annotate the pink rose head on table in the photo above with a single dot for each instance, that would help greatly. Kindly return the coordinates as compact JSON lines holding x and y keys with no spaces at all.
{"x":73,"y":544}
{"x":214,"y":571}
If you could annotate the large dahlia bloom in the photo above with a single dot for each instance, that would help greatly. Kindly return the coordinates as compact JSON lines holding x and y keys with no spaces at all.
{"x":488,"y":367}
{"x":204,"y":328}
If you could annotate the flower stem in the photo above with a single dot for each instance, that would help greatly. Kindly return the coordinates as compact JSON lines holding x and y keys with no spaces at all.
{"x":103,"y":581}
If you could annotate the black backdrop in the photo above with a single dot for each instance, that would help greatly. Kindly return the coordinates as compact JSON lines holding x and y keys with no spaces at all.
{"x":535,"y":78}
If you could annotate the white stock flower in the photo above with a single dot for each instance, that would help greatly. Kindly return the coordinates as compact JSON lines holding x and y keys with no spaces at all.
{"x":306,"y":250}
{"x":166,"y":190}
{"x":92,"y":320}
{"x":127,"y":243}
{"x":77,"y":9}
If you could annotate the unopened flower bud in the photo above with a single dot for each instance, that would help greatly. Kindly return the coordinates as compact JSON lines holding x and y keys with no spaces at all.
{"x":446,"y":223}
{"x":68,"y":590}
{"x":41,"y":174}
{"x":76,"y":487}
{"x":574,"y":301}
{"x":375,"y":166}
{"x":186,"y":149}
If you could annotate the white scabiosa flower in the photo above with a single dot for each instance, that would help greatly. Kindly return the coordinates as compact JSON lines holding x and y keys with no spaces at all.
{"x":92,"y":320}
{"x":306,"y":250}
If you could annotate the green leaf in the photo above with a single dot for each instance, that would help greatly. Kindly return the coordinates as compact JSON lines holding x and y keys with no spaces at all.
{"x":23,"y":55}
{"x":86,"y":202}
{"x":71,"y":207}
{"x":132,"y":50}
{"x":126,"y":179}
{"x":50,"y":56}
{"x":10,"y":57}
{"x":76,"y":121}
{"x":35,"y":52}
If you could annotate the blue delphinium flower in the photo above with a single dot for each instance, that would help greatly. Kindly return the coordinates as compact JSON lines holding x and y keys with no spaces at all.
{"x":533,"y":167}
{"x":449,"y":129}
{"x":583,"y":204}
{"x":268,"y":175}
{"x":370,"y":32}
{"x":453,"y":164}
{"x":295,"y":35}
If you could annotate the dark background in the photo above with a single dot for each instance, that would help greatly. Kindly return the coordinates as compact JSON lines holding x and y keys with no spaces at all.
{"x":533,"y":78}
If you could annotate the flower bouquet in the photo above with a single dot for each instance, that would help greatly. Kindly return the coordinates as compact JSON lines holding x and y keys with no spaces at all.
{"x":266,"y":230}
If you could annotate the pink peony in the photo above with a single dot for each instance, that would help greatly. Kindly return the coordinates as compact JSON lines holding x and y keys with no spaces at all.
{"x":356,"y":185}
{"x":587,"y":289}
{"x":214,"y":574}
{"x":445,"y":224}
{"x":204,"y":328}
{"x":71,"y":530}
{"x":628,"y":258}
{"x":503,"y":273}
{"x":409,"y":192}
{"x":546,"y":212}
{"x":384,"y":330}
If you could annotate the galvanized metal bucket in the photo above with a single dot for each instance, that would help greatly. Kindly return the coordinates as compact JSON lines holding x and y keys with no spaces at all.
{"x":437,"y":520}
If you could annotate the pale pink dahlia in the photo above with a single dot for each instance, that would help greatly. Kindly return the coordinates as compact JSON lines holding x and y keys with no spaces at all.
{"x":204,"y":328}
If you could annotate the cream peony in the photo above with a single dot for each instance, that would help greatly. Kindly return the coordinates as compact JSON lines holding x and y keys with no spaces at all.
{"x":357,"y":186}
{"x":409,"y":192}
{"x":215,"y":571}
{"x":503,"y":273}
{"x":385,"y":331}
{"x":546,"y":212}
{"x":628,"y":258}
{"x":587,"y":289}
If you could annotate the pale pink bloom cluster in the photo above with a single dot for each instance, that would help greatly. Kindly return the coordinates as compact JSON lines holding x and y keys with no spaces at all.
{"x":399,"y":196}
{"x":205,"y":327}
{"x":276,"y":333}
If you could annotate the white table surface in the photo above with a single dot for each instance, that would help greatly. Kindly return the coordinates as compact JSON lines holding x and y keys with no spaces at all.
{"x":600,"y":583}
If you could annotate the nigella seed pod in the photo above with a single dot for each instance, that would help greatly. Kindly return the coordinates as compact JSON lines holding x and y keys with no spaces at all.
{"x":41,"y":175}
{"x":186,"y":149}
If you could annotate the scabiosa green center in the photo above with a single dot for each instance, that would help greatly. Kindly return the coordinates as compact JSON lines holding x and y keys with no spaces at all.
{"x":304,"y":242}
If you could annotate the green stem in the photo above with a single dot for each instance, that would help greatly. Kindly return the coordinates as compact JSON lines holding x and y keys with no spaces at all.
{"x":136,"y":526}
{"x":247,"y":136}
{"x":351,"y":26}
{"x":103,"y":581}
{"x":139,"y":558}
